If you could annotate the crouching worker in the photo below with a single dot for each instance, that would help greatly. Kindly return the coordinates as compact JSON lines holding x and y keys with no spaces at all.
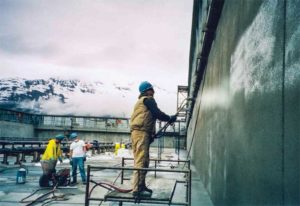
{"x":77,"y":157}
{"x":49,"y":159}
{"x":142,"y":126}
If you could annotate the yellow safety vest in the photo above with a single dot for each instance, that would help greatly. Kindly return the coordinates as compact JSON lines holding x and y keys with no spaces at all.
{"x":53,"y":151}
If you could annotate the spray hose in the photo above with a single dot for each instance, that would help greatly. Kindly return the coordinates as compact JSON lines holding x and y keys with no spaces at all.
{"x":162,"y":130}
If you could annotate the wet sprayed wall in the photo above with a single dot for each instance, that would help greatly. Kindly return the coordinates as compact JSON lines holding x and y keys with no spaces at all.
{"x":245,"y":126}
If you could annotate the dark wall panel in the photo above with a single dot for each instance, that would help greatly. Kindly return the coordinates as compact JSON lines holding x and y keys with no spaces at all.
{"x":245,"y":123}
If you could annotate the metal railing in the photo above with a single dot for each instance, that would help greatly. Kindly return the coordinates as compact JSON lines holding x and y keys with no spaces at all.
{"x":129,"y":198}
{"x":21,"y":149}
{"x":156,"y":161}
{"x":88,"y":123}
{"x":84,"y":123}
{"x":14,"y":116}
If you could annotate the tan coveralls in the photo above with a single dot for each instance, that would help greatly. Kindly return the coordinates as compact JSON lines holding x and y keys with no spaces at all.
{"x":142,"y":125}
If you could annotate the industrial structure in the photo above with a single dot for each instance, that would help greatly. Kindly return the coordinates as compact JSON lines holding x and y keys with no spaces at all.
{"x":243,"y":125}
{"x":240,"y":127}
{"x":25,"y":134}
{"x":24,"y":137}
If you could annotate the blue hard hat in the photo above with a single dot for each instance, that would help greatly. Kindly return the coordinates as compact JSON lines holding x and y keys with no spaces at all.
{"x":60,"y":137}
{"x":73,"y":135}
{"x":144,"y":86}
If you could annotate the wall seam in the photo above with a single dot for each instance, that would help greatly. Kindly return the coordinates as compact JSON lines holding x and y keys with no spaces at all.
{"x":283,"y":103}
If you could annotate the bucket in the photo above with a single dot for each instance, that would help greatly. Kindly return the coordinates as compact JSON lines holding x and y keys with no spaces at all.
{"x":21,"y":176}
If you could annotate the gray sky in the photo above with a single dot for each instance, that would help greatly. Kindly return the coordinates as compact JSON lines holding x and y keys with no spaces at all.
{"x":112,"y":40}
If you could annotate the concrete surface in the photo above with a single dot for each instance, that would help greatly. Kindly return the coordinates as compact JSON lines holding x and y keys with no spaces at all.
{"x":245,"y":125}
{"x":11,"y":193}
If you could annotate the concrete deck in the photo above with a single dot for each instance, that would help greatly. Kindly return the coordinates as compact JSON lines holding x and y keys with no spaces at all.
{"x":11,"y":193}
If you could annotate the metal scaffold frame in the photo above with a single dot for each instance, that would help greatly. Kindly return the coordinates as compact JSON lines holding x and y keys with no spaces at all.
{"x":182,"y":95}
{"x":124,"y":159}
{"x":114,"y":197}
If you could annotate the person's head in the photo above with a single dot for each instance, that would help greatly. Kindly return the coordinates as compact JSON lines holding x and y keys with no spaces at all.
{"x":146,"y":88}
{"x":59,"y":138}
{"x":74,"y":136}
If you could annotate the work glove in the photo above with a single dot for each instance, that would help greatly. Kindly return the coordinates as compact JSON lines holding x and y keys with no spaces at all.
{"x":172,"y":119}
{"x":60,"y":159}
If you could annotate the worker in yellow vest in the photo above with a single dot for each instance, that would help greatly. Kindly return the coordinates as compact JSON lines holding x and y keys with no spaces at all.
{"x":53,"y":150}
{"x":49,"y":159}
{"x":142,"y":126}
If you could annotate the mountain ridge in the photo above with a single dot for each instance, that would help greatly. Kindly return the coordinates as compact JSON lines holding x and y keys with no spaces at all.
{"x":69,"y":96}
{"x":17,"y":91}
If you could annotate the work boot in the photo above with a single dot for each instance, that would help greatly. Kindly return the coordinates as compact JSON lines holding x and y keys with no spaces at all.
{"x":145,"y":188}
{"x":135,"y":194}
{"x":139,"y":194}
{"x":74,"y":182}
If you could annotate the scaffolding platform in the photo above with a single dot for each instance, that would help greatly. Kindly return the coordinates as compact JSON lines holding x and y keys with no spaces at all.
{"x":156,"y":197}
{"x":170,"y":191}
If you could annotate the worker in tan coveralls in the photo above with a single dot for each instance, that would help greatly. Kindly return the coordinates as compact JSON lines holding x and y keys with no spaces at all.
{"x":142,"y":125}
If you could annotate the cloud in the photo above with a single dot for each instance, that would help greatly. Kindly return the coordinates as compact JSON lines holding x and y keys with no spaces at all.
{"x":16,"y":45}
{"x":99,"y":40}
{"x":114,"y":30}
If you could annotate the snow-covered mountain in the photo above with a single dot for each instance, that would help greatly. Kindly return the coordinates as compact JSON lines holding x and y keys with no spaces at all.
{"x":76,"y":97}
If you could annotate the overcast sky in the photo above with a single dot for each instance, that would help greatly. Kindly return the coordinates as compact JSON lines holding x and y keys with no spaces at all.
{"x":113,"y":40}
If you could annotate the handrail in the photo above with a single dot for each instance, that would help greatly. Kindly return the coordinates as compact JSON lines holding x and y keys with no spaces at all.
{"x":36,"y":148}
{"x":88,"y":193}
{"x":71,"y":122}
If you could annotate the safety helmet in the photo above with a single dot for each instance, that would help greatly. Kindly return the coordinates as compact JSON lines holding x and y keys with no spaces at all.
{"x":60,"y":137}
{"x":144,"y":86}
{"x":73,"y":135}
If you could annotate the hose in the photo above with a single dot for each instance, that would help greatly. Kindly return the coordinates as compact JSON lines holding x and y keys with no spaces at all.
{"x":38,"y":199}
{"x":163,"y":129}
{"x":43,"y":198}
{"x":109,"y":187}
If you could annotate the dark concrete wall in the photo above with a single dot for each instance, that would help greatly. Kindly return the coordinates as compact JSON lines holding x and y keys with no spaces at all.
{"x":14,"y":129}
{"x":245,"y":125}
{"x":291,"y":138}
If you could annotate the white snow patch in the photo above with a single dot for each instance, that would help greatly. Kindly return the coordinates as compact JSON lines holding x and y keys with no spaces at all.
{"x":105,"y":156}
{"x":124,"y":153}
{"x":81,"y":97}
{"x":292,"y":50}
{"x":251,"y":68}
